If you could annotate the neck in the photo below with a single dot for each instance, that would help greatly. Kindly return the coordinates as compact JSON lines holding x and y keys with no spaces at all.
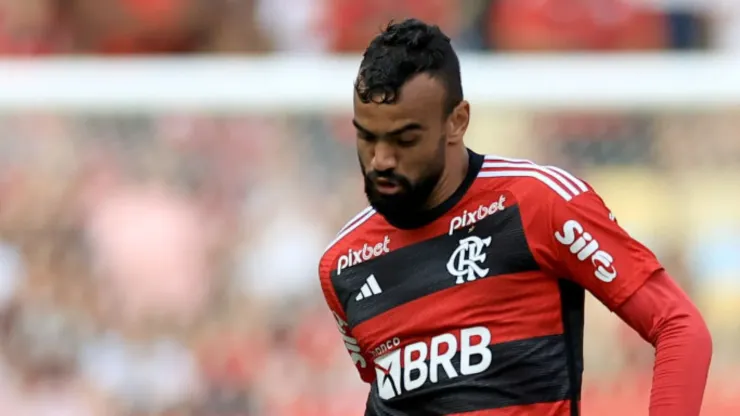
{"x":451,"y":179}
{"x":458,"y":176}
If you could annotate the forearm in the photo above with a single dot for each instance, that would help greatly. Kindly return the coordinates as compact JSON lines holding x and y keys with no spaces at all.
{"x":664,"y":316}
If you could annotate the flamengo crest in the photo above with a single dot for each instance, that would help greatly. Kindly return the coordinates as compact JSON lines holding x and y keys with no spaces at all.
{"x":466,"y":261}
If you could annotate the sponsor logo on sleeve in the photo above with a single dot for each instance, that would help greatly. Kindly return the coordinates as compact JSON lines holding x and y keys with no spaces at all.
{"x":353,"y":347}
{"x":585,"y":247}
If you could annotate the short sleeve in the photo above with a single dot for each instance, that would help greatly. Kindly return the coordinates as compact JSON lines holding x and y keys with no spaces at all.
{"x":576,"y":237}
{"x":361,"y":361}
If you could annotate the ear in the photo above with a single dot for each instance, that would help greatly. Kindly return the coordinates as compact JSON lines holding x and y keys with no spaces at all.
{"x":457,"y":123}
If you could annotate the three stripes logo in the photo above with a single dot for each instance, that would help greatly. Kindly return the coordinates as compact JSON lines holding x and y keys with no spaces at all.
{"x":368,"y":289}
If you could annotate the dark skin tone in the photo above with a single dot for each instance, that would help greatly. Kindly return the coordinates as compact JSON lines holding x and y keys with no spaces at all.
{"x":404,"y":137}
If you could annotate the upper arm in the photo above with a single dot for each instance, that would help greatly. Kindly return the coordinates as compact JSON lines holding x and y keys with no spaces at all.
{"x":576,"y":237}
{"x":359,"y":359}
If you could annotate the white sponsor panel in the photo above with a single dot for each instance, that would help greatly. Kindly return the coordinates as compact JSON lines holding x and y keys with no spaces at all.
{"x":586,"y":247}
{"x":409,"y":368}
{"x":468,"y":218}
{"x":367,"y":252}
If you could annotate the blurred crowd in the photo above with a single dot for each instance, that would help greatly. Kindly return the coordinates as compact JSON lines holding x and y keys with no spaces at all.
{"x":166,"y":265}
{"x":42,"y":27}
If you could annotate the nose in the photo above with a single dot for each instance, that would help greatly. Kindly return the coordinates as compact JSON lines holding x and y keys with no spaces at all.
{"x":384,"y":157}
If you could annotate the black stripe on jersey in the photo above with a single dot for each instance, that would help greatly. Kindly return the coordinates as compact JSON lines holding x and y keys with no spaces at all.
{"x":420,"y":270}
{"x":572,"y":301}
{"x":522,"y":372}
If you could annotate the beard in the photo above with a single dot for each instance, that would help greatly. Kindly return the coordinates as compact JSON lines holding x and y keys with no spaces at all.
{"x":412,"y":197}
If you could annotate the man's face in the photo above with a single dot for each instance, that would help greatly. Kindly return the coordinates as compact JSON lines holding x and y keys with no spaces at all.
{"x":402,"y":147}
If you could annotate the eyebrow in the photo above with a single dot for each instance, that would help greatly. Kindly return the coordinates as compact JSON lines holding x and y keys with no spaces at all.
{"x":396,"y":132}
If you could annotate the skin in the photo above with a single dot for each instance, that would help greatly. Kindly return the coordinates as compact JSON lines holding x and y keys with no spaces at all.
{"x":404,"y":137}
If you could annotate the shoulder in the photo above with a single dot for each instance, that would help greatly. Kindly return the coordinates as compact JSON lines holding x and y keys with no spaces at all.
{"x":529,"y":180}
{"x":348,"y":234}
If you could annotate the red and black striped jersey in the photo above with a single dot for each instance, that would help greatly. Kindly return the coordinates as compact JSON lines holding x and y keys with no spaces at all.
{"x":478,"y":309}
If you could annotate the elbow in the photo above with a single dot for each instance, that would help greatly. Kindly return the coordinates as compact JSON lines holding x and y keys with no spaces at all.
{"x":667,"y":318}
{"x":695,"y":334}
{"x":697,"y":331}
{"x":686,"y":326}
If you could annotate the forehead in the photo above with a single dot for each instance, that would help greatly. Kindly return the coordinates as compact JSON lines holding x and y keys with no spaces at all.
{"x":420,"y":100}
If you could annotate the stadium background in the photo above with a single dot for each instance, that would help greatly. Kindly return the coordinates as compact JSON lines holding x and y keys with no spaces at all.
{"x":162,"y":262}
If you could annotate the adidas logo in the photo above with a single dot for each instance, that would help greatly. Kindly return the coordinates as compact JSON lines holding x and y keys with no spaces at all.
{"x":369,"y":288}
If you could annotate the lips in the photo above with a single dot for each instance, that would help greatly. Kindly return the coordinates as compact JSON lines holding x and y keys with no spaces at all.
{"x":387,"y":186}
{"x":385,"y":182}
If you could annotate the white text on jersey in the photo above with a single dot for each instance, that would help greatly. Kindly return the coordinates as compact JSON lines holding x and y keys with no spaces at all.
{"x":468,"y":218}
{"x":353,"y":347}
{"x":584,"y":246}
{"x":406,"y":369}
{"x":386,"y":347}
{"x":367,"y":252}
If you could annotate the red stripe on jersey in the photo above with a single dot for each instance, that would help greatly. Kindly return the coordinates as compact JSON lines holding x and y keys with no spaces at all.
{"x":559,"y":408}
{"x":574,"y":185}
{"x":513,"y":307}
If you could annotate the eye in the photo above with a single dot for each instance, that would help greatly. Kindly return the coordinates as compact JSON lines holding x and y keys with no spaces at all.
{"x":409,"y":141}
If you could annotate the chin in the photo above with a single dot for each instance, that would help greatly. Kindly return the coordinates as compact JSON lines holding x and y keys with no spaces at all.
{"x":393,"y":205}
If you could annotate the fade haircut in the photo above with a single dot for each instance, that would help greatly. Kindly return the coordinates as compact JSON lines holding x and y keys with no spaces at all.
{"x":400,"y":52}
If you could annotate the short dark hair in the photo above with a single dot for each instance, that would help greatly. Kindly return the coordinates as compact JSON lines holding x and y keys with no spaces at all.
{"x":403,"y":50}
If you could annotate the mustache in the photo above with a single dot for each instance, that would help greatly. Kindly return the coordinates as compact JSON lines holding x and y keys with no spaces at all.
{"x":387,"y":175}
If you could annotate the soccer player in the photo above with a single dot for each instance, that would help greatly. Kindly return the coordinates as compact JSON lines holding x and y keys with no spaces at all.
{"x":460,"y":290}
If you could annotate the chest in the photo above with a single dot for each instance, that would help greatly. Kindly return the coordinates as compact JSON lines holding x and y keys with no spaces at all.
{"x":477,"y":272}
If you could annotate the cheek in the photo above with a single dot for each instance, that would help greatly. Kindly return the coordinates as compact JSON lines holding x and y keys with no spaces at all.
{"x":424,"y":154}
{"x":423,"y":162}
{"x":413,"y":167}
{"x":364,"y":156}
